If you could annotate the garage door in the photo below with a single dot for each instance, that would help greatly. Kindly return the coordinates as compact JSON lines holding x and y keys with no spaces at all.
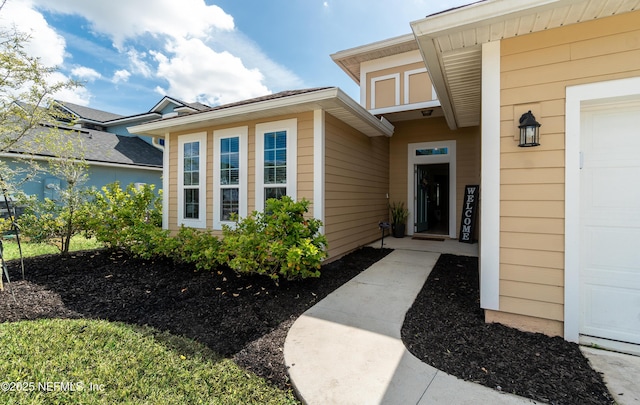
{"x":610,"y":222}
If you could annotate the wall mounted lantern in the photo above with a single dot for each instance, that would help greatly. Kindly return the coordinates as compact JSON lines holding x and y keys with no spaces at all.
{"x":529,"y":130}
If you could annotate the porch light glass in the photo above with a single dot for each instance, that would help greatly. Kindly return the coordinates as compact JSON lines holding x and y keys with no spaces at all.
{"x":529,"y":130}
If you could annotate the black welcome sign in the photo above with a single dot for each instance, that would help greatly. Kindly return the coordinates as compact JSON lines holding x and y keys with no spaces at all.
{"x":469,"y":214}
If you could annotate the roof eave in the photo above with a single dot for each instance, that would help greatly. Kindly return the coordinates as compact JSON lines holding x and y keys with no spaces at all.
{"x":428,"y":29}
{"x":327,"y":99}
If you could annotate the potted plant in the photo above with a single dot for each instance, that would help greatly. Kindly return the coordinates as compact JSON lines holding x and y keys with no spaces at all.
{"x":399,"y":215}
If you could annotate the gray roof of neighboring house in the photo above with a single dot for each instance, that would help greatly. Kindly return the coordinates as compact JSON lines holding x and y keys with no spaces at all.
{"x":282,"y":94}
{"x":106,"y":147}
{"x":89,"y":113}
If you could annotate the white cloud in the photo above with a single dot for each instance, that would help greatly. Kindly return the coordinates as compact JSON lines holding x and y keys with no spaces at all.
{"x":120,"y":76}
{"x":172,"y":43}
{"x":138,"y":64}
{"x":44,"y":43}
{"x":85,"y":73}
{"x":123,"y":20}
{"x":77,"y":95}
{"x":197,"y":73}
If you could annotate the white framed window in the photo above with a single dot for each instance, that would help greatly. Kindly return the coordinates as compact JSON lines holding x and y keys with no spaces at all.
{"x":192,"y":177}
{"x":229,"y":174}
{"x":276,"y":160}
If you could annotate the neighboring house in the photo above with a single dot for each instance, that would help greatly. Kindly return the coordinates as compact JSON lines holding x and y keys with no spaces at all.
{"x":113,"y":154}
{"x":440,"y":109}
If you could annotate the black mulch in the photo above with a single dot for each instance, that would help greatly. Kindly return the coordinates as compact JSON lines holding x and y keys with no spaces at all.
{"x":445,"y":328}
{"x":246,"y":318}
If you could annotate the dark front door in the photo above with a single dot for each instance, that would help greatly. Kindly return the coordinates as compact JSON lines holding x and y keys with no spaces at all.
{"x":432,"y":198}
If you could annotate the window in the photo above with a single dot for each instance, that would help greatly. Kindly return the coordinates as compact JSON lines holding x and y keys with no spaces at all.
{"x":432,"y":151}
{"x":276,"y":162}
{"x":191,"y":180}
{"x":230,"y":174}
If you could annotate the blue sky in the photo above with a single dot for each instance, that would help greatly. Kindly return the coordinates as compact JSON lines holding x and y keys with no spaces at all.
{"x":129,"y":53}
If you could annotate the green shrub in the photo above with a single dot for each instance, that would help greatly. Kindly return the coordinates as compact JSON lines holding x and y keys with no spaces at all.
{"x":128,"y":219}
{"x":54,"y":222}
{"x":280,"y":242}
{"x":195,"y":246}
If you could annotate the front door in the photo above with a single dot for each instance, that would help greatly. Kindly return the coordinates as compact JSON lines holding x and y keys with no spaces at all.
{"x":432,"y":198}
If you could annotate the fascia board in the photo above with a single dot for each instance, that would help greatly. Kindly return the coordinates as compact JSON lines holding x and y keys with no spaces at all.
{"x":317,"y":98}
{"x":431,"y":58}
{"x":477,"y":14}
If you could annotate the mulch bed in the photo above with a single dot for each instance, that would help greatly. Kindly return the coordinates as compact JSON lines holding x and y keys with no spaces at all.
{"x":445,"y":328}
{"x":246,"y":318}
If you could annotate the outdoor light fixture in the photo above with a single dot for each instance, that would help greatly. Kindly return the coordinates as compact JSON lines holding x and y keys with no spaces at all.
{"x":529,"y":130}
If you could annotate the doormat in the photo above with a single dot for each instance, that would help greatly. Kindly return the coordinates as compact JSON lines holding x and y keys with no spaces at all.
{"x":428,"y":237}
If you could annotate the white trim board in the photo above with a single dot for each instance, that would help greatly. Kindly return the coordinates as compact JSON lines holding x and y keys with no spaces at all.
{"x":490,"y":178}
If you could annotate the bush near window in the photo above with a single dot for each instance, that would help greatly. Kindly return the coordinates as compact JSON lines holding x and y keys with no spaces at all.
{"x":128,"y":219}
{"x":280,"y":242}
{"x":195,"y":246}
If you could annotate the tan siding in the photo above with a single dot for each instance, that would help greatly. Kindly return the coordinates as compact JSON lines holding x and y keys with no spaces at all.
{"x":534,"y":275}
{"x":305,"y":157}
{"x":385,"y":92}
{"x":356,"y":183}
{"x":420,"y":88}
{"x":532,"y":225}
{"x":432,"y":130}
{"x":536,"y":69}
{"x":538,"y":292}
{"x":538,"y":309}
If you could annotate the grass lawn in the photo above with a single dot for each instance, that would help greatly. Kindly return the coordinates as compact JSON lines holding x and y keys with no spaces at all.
{"x":29,"y":249}
{"x":108,"y":363}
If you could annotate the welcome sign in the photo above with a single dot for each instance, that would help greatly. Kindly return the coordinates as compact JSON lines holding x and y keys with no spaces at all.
{"x":469,"y":214}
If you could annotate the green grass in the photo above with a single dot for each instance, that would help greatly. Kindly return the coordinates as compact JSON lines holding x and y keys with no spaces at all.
{"x":29,"y":249}
{"x":126,"y":364}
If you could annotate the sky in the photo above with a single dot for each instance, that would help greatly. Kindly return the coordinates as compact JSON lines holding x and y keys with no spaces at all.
{"x":128,"y":54}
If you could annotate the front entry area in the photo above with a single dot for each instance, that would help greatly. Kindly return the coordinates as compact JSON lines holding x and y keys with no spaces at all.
{"x":432,"y":198}
{"x":431,"y":185}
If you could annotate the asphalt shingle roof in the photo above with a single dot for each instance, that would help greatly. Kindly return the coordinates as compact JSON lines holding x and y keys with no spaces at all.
{"x":90,"y":113}
{"x":106,"y":147}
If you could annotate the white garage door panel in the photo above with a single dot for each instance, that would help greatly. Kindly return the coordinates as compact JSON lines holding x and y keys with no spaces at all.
{"x":610,"y":223}
{"x":621,"y":246}
{"x":618,"y":325}
{"x":611,"y":191}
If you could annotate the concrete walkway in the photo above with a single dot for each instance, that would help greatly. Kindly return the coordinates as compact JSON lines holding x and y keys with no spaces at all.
{"x":347,"y":348}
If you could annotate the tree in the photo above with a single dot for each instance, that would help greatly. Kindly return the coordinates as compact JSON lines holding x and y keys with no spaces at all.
{"x":27,"y":105}
{"x":27,"y":88}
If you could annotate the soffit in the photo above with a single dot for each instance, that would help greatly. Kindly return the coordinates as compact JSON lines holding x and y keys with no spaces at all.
{"x":451,"y":41}
{"x":350,"y":60}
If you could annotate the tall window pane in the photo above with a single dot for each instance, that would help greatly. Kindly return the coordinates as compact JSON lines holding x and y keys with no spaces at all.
{"x":191,"y":203}
{"x":230,"y":161}
{"x":229,"y":177}
{"x":230,"y":203}
{"x":275,"y":158}
{"x":191,"y":179}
